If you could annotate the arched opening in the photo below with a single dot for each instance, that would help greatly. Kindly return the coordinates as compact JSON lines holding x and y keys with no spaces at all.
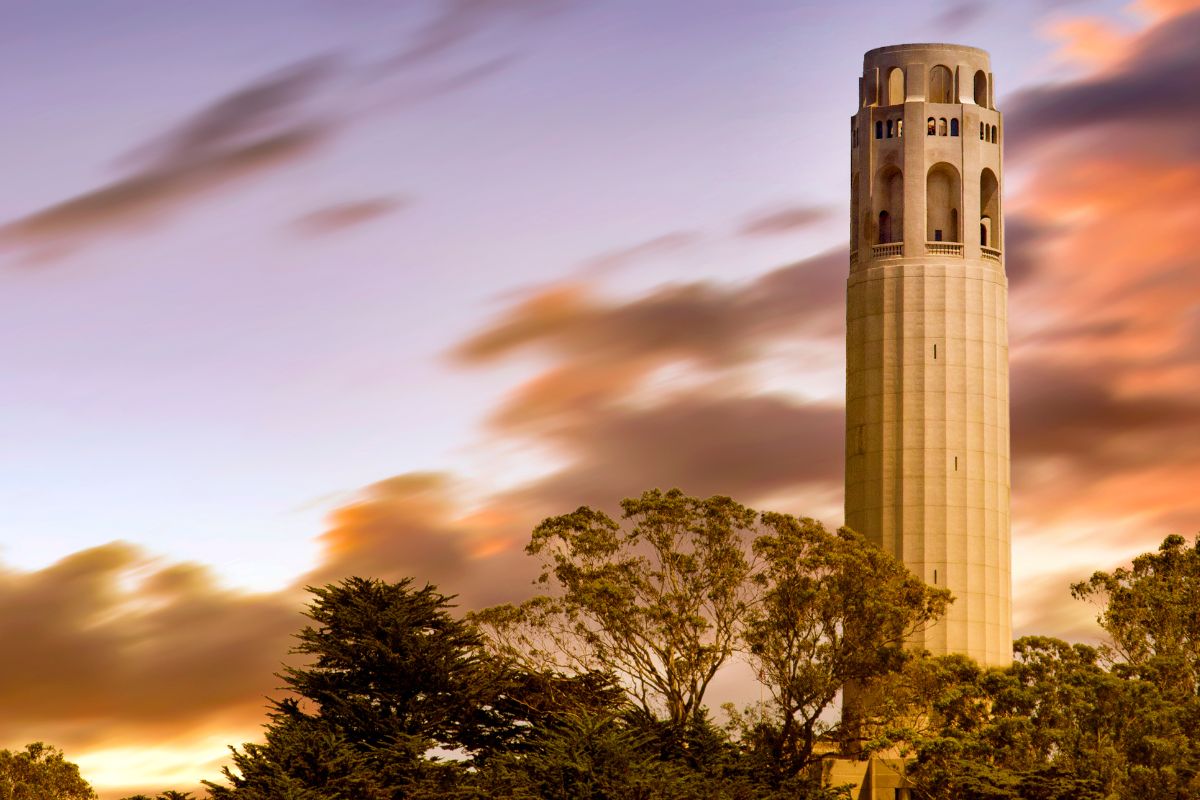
{"x":989,"y":209}
{"x":878,"y":129}
{"x":994,"y":134}
{"x":888,"y":196}
{"x":981,"y":98}
{"x":982,"y":132}
{"x":941,"y":85}
{"x":954,"y":127}
{"x":931,"y":126}
{"x":943,"y":193}
{"x":942,"y":126}
{"x":899,"y":128}
{"x":891,"y":128}
{"x":895,"y":86}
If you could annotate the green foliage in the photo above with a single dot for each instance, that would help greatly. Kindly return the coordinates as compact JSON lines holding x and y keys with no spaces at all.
{"x":818,"y":627}
{"x":40,"y":772}
{"x":1152,"y":613}
{"x":392,"y":676}
{"x":656,"y":603}
{"x":595,"y":690}
{"x":1057,"y":724}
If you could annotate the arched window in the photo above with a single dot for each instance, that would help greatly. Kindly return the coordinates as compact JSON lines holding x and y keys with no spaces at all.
{"x":888,"y":198}
{"x":994,"y":134}
{"x":941,"y":85}
{"x":954,"y":127}
{"x":931,"y":126}
{"x":899,"y":128}
{"x":942,"y":126}
{"x":879,"y":129}
{"x":943,"y":193}
{"x":982,"y":132}
{"x":895,"y":87}
{"x":989,"y":209}
{"x":981,"y":89}
{"x":891,"y":128}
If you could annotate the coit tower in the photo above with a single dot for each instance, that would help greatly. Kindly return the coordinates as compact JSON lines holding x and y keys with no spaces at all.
{"x":927,"y":453}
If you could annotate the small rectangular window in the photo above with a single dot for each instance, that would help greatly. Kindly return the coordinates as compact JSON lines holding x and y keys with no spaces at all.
{"x":956,"y":463}
{"x":937,"y":235}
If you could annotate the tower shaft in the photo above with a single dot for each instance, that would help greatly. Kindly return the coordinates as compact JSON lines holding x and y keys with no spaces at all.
{"x":927,"y":409}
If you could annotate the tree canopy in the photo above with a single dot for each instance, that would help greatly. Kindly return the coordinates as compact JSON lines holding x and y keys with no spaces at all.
{"x":41,"y":772}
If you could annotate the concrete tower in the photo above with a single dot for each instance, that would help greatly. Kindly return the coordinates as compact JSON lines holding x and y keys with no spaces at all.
{"x":927,"y":464}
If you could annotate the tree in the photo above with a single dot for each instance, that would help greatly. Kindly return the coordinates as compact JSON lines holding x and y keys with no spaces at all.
{"x":657,"y":602}
{"x":392,"y":675}
{"x":834,"y":611}
{"x":1151,"y":611}
{"x":40,"y":772}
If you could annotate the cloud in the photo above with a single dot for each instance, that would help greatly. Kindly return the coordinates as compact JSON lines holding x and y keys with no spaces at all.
{"x":419,"y":525}
{"x":455,"y":21}
{"x":601,"y":350}
{"x":1155,"y":88}
{"x":786,"y":220}
{"x":258,"y":129}
{"x":959,"y":15}
{"x":744,"y":446}
{"x":110,"y":645}
{"x":239,"y":119}
{"x":620,"y":258}
{"x":1046,"y":608}
{"x":699,"y":320}
{"x":342,"y":216}
{"x":254,"y":130}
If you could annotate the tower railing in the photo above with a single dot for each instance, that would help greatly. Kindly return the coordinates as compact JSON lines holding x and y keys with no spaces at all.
{"x":990,"y":253}
{"x":944,"y":249}
{"x":889,"y":250}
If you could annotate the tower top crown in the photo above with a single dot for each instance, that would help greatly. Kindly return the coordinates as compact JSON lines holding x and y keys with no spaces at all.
{"x":942,"y":47}
{"x":928,"y":54}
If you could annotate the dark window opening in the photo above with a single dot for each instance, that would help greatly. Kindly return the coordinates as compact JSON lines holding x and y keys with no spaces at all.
{"x":935,"y":577}
{"x":931,"y":127}
{"x":937,"y":235}
{"x":885,"y":227}
{"x":954,"y":127}
{"x":891,"y":129}
{"x":956,"y":463}
{"x":935,"y":352}
{"x":878,"y":130}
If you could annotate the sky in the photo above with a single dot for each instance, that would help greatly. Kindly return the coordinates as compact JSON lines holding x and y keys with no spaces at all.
{"x":294,"y":290}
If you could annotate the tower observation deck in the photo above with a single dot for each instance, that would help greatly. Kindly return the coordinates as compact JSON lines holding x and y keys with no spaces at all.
{"x":927,"y":408}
